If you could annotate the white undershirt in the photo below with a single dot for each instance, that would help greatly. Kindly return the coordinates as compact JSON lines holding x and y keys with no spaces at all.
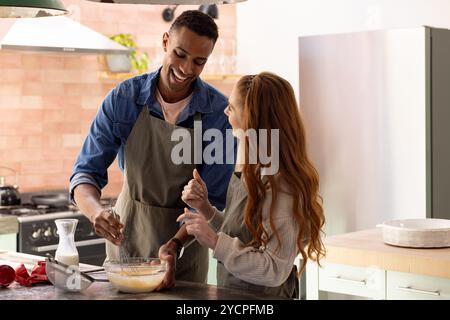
{"x":171,"y":111}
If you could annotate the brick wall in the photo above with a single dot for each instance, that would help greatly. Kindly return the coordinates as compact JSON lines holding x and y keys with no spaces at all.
{"x":48,"y":100}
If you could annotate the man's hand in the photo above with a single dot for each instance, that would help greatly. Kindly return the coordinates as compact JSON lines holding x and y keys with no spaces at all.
{"x":106,"y":225}
{"x":168,"y":252}
{"x":197,"y":226}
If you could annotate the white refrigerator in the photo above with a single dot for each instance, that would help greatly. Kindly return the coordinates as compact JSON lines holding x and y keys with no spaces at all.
{"x":376,"y":107}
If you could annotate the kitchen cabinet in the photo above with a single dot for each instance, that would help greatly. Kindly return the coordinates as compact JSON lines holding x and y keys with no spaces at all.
{"x":212,"y":269}
{"x":8,"y":242}
{"x":8,"y":232}
{"x":358,"y":281}
{"x":405,"y":286}
{"x":361,"y":264}
{"x":8,"y":224}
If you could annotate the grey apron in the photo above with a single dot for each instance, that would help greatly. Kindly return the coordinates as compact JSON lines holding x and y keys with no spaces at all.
{"x":234,"y":226}
{"x":150,"y":201}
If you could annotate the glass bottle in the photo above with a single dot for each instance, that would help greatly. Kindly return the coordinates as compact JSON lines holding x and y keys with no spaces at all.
{"x":67,"y":251}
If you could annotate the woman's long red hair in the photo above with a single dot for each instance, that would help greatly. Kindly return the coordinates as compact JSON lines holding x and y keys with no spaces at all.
{"x":269,"y":103}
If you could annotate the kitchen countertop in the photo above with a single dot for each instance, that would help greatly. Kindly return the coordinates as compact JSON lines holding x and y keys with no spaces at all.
{"x":183,"y":290}
{"x":366,"y":248}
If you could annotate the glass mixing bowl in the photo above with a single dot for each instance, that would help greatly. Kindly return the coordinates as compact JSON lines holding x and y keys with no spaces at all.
{"x":136,"y":275}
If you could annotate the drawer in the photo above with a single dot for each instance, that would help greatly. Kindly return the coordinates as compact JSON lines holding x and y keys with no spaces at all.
{"x":409,"y":286}
{"x":358,"y":281}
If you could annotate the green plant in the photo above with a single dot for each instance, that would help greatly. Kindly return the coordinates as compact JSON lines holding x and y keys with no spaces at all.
{"x":138,"y":63}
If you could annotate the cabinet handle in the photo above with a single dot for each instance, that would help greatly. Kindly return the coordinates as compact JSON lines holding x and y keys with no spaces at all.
{"x":359,"y":282}
{"x":411,"y":289}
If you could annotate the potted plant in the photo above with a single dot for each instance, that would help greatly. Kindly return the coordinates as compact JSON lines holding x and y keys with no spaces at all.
{"x":126,"y":62}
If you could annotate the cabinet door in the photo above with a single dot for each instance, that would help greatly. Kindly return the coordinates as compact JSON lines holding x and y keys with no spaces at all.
{"x":409,"y":286}
{"x":8,"y":242}
{"x":212,"y":269}
{"x":358,"y":281}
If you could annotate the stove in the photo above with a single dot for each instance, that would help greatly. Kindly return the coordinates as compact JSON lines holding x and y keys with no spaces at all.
{"x":38,"y":233}
{"x":28,"y":209}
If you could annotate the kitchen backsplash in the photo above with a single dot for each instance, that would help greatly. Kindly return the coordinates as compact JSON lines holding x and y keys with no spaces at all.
{"x":48,"y":100}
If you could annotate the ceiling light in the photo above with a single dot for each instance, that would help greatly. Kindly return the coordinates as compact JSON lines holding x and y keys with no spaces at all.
{"x":169,"y":13}
{"x":210,"y":9}
{"x":171,"y":2}
{"x":31,"y":8}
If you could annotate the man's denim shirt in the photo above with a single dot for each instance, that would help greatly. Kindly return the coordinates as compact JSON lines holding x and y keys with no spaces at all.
{"x":117,"y":116}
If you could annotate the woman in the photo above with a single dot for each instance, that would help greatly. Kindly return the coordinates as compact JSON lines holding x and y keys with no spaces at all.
{"x":269,"y":218}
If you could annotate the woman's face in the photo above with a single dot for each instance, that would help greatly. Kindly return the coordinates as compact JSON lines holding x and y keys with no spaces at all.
{"x":234,"y":110}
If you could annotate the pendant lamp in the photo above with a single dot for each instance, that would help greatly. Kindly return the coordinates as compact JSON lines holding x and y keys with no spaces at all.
{"x":171,"y":2}
{"x":31,"y":8}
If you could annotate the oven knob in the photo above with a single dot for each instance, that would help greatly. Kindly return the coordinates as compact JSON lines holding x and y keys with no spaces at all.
{"x":48,"y":232}
{"x":37,"y":234}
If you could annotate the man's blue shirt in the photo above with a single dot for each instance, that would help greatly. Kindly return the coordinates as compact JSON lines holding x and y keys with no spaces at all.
{"x":118,"y":114}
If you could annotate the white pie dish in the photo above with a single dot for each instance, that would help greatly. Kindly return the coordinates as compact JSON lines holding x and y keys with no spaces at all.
{"x":417,"y":233}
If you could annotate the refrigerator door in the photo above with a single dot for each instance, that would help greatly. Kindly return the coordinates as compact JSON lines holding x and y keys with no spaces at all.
{"x":439,"y":174}
{"x":363,"y":98}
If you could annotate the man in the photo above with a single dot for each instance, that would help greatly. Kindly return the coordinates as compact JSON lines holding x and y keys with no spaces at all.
{"x":136,"y":121}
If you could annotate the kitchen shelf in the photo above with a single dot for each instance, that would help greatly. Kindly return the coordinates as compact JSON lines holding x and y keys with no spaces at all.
{"x":108,"y":75}
{"x":218,"y":77}
{"x":117,"y":75}
{"x":126,"y":75}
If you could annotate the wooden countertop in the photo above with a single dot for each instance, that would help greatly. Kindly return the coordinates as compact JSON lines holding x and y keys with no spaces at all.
{"x":367,"y":249}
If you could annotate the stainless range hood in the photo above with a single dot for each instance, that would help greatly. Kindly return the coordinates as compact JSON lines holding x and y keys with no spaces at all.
{"x":58,"y":34}
{"x":170,"y":2}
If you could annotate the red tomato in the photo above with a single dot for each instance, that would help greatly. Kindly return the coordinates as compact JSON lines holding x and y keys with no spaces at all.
{"x":7,"y":275}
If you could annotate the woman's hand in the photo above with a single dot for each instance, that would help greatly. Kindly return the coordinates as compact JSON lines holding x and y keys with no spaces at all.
{"x":197,"y":226}
{"x":195,"y":195}
{"x":168,"y":253}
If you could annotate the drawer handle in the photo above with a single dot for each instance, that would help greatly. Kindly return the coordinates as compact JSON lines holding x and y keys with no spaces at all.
{"x":411,"y":289}
{"x":359,"y":282}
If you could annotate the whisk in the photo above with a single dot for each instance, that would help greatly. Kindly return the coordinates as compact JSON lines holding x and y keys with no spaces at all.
{"x":124,"y":256}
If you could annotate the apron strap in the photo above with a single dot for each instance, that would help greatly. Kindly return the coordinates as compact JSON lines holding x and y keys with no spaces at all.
{"x":198,"y":116}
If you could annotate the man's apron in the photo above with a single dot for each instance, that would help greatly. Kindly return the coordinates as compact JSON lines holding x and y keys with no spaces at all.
{"x":150,"y":201}
{"x":234,"y":226}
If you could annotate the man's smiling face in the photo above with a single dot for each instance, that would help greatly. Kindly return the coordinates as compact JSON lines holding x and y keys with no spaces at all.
{"x":184,"y":60}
